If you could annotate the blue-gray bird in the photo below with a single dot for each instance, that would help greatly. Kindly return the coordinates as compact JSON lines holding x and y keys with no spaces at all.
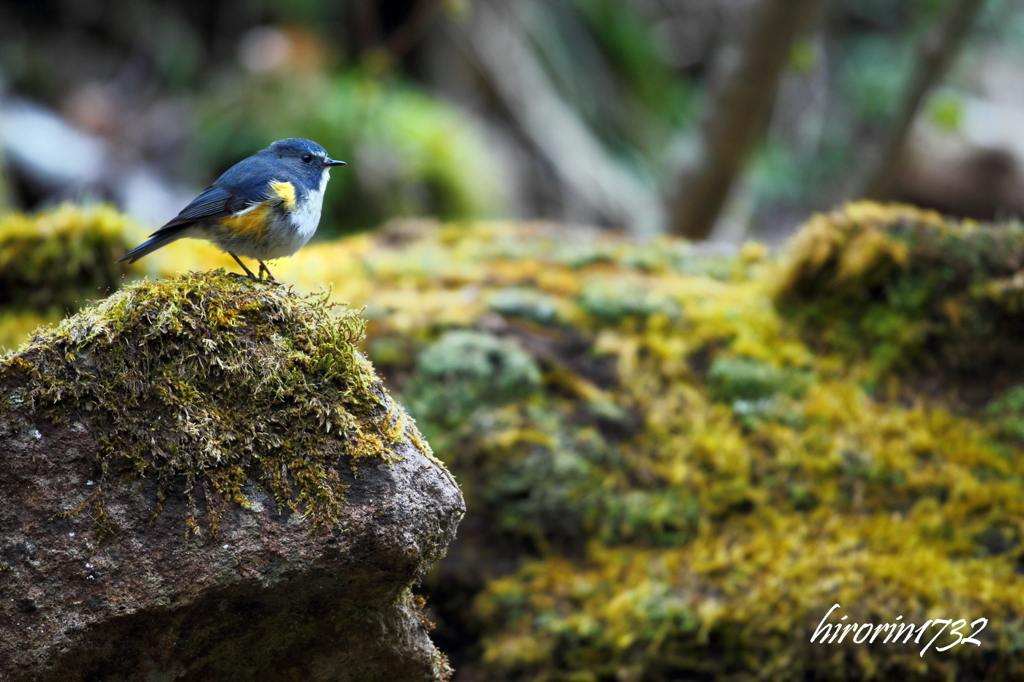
{"x":264,"y":207}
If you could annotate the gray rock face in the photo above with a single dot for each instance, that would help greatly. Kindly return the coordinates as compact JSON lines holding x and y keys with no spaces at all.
{"x":268,"y":600}
{"x":126,"y":591}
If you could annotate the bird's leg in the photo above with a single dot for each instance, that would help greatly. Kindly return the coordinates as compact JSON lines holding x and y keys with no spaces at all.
{"x":248,"y":272}
{"x":270,"y":276}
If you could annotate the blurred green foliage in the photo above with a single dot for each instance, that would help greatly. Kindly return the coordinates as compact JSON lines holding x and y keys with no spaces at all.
{"x":56,"y":261}
{"x":875,"y":70}
{"x":627,"y":69}
{"x":946,"y":112}
{"x":606,"y":62}
{"x":627,"y":40}
{"x":867,"y":54}
{"x":16,"y":326}
{"x":1007,"y":413}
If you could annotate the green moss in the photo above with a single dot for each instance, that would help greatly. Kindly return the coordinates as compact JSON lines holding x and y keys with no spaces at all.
{"x":622,"y":299}
{"x":59,"y":259}
{"x":731,"y":379}
{"x":205,"y":382}
{"x":759,"y":391}
{"x":528,"y":304}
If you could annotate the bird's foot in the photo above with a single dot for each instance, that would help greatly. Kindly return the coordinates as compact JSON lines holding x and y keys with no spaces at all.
{"x":251,"y":278}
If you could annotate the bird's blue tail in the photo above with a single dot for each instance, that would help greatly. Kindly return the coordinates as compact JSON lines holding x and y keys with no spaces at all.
{"x":157,"y":240}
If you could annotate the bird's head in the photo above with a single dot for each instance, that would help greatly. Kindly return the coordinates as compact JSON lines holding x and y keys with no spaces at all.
{"x":302,"y":156}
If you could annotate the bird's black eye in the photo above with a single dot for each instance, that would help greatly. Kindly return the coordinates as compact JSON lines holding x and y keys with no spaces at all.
{"x":306,"y":158}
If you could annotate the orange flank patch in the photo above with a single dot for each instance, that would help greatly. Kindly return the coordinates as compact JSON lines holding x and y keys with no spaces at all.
{"x":252,"y":223}
{"x":285,"y":191}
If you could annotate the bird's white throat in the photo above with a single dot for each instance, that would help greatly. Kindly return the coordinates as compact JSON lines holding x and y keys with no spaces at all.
{"x":306,"y":216}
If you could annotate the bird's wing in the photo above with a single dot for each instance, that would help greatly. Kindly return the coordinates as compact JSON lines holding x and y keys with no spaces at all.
{"x":214,"y":202}
{"x":241,"y":186}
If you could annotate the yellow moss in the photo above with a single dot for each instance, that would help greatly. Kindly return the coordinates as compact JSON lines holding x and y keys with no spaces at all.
{"x":907,"y":289}
{"x":855,"y":236}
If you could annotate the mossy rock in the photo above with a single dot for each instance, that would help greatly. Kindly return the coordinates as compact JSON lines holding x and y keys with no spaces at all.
{"x":204,"y":479}
{"x":206,"y":382}
{"x":909,"y":289}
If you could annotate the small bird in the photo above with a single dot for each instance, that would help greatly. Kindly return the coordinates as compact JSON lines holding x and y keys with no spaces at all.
{"x":264,"y":207}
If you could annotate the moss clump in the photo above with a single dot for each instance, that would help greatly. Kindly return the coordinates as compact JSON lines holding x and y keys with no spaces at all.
{"x":58,"y":259}
{"x":908,"y":289}
{"x":206,"y":382}
{"x":528,"y":304}
{"x":757,"y":390}
{"x":467,"y":370}
{"x":731,"y":379}
{"x":1006,"y":412}
{"x":611,"y":302}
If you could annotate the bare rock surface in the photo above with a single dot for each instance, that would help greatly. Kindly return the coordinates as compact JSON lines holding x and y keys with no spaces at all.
{"x":147,"y":532}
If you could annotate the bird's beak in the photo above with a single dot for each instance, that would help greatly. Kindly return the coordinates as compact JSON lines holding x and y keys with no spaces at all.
{"x":332,"y":162}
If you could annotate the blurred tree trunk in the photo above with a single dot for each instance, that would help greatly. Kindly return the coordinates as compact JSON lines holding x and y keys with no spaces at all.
{"x":596,"y":186}
{"x":936,"y":52}
{"x":737,"y":111}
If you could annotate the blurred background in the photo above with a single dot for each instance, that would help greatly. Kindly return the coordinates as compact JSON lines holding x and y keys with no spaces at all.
{"x":615,"y":263}
{"x":725,"y":120}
